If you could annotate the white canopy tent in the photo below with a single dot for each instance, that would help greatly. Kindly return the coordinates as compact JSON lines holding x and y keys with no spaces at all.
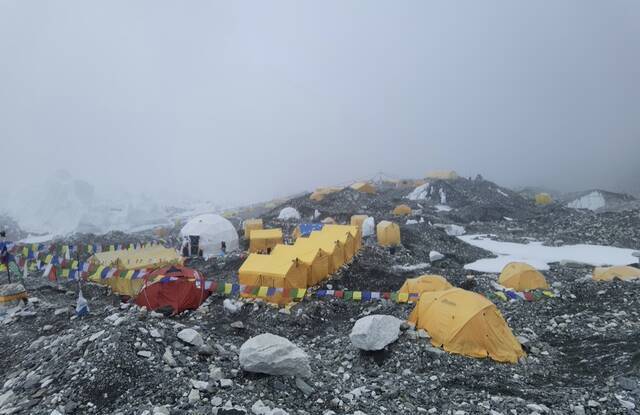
{"x":212,"y":230}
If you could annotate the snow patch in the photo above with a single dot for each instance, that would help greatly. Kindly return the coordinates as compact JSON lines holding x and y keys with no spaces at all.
{"x":421,"y":265}
{"x":442,"y":208}
{"x":502,"y":193}
{"x":451,"y":229}
{"x":539,"y":256}
{"x":591,"y":201}
{"x":37,"y":239}
{"x":443,"y":197}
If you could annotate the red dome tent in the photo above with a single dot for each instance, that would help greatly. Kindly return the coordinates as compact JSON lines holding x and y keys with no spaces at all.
{"x":178,"y":287}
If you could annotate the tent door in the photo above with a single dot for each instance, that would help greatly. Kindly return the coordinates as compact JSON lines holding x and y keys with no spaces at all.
{"x":195,"y":244}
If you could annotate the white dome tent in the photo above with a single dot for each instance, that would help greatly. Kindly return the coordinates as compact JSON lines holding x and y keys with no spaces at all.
{"x":212,"y":230}
{"x":289,"y":213}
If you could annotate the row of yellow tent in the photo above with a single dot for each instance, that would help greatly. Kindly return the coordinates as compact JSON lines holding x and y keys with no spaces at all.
{"x":362,"y":187}
{"x":467,"y":323}
{"x":156,"y":256}
{"x":304,"y":264}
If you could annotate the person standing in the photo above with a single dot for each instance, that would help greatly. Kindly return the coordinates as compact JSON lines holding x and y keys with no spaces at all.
{"x":4,"y":253}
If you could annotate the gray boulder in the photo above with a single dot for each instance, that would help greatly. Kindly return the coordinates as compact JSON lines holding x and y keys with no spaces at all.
{"x":374,"y":332}
{"x":191,"y":337}
{"x":273,"y":355}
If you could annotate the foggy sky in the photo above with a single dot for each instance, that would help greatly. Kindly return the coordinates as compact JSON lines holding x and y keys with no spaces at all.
{"x":243,"y":101}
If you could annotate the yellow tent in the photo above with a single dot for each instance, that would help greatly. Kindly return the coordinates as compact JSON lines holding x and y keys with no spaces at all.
{"x":328,"y":244}
{"x":388,"y":233}
{"x":250,"y":225}
{"x":321,"y":192}
{"x":270,"y":271}
{"x":152,"y":256}
{"x":345,"y":240}
{"x":466,"y":323}
{"x":442,"y":175}
{"x":522,"y":277}
{"x":264,"y":239}
{"x":353,"y":242}
{"x":358,"y":220}
{"x":402,"y":210}
{"x":315,"y":260}
{"x":625,"y":273}
{"x":543,"y":199}
{"x":425,"y":283}
{"x":363,"y":187}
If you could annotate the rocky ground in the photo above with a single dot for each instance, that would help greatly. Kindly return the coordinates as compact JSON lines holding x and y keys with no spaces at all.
{"x":583,"y":354}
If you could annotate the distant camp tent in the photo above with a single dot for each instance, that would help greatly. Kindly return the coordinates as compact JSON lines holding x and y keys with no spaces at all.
{"x":425,"y":283}
{"x":466,"y":323}
{"x":402,"y":210}
{"x":160,"y":232}
{"x":522,"y":277}
{"x":250,"y":225}
{"x":177,"y":288}
{"x":328,"y":220}
{"x":442,"y":175}
{"x":543,"y":199}
{"x":624,"y":273}
{"x":363,"y":187}
{"x":322,"y":192}
{"x":305,"y":229}
{"x":314,"y":259}
{"x":207,"y":232}
{"x":263,"y":240}
{"x":388,"y":233}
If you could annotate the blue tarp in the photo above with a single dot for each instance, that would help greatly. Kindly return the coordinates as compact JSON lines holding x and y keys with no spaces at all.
{"x":307,"y":228}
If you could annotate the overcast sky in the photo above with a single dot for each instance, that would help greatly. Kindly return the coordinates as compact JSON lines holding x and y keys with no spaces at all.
{"x":239,"y":101}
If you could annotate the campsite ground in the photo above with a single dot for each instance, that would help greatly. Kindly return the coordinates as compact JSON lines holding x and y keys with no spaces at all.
{"x":583,"y":354}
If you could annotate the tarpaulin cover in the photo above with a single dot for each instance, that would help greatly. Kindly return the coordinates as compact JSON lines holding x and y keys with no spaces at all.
{"x":178,"y":287}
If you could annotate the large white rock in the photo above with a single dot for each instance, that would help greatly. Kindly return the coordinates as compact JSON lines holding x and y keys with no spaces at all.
{"x":419,"y":193}
{"x":191,"y":336}
{"x":289,"y":213}
{"x":274,"y":355}
{"x":454,"y":230}
{"x":368,"y":226}
{"x":374,"y":332}
{"x":435,"y":256}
